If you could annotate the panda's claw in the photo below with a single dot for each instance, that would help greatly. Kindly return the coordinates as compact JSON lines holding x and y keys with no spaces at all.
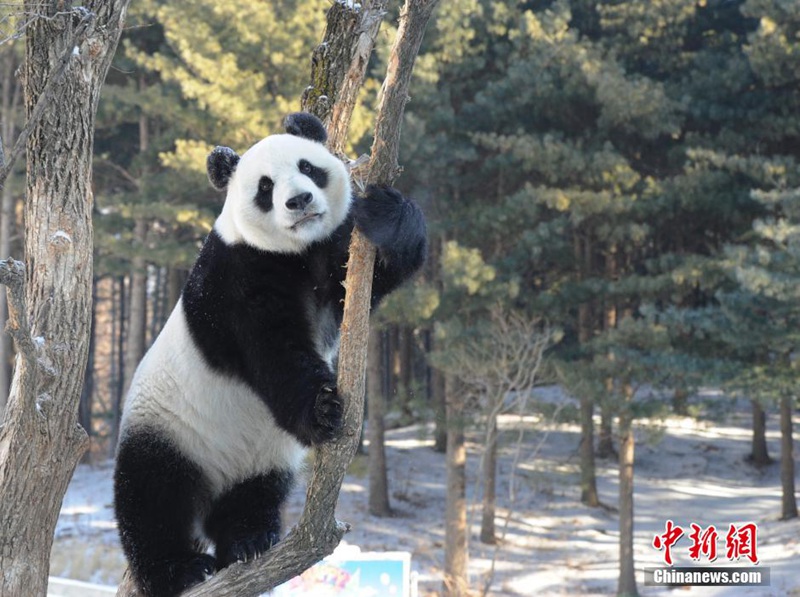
{"x":328,"y":415}
{"x":191,"y":571}
{"x":248,"y":548}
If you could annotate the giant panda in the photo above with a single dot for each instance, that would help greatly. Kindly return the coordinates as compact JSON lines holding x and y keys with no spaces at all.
{"x":242,"y":378}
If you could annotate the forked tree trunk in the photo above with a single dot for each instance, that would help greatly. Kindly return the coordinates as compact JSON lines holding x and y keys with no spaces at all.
{"x":376,"y":406}
{"x":40,"y":435}
{"x":627,"y":570}
{"x":759,"y":455}
{"x":489,"y":484}
{"x":789,"y":500}
{"x":455,"y":549}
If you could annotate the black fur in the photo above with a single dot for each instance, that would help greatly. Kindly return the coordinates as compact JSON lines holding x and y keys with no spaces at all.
{"x":246,"y":521}
{"x":308,"y":126}
{"x":318,"y":175}
{"x":158,"y":494}
{"x":220,"y":164}
{"x":263,"y":196}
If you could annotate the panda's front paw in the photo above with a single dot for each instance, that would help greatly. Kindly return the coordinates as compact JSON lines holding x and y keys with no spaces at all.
{"x":175,"y":576}
{"x":246,"y":549}
{"x":379,"y":214}
{"x":328,"y":415}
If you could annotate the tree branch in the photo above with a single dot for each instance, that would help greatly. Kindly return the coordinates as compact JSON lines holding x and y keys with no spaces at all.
{"x":12,"y":275}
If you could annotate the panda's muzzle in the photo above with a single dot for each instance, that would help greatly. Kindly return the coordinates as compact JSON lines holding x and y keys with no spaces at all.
{"x":299,"y":202}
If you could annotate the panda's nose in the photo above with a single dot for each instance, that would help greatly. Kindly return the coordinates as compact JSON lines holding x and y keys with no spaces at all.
{"x":299,"y":202}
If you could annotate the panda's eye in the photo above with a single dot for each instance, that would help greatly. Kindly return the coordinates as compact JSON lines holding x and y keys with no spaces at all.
{"x":305,"y":167}
{"x":265,"y":184}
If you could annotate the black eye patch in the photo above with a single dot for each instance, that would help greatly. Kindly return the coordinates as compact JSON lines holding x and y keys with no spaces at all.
{"x":319,"y":176}
{"x":263,"y":196}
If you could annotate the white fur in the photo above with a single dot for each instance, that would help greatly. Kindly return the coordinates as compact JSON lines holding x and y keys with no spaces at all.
{"x":216,"y":421}
{"x":278,"y":156}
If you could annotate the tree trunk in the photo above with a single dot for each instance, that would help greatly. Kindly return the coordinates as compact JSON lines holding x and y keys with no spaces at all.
{"x":376,"y":405}
{"x":406,"y":376}
{"x":118,"y":388}
{"x":586,"y":449}
{"x":137,"y":311}
{"x":789,"y":500}
{"x":489,"y":485}
{"x":605,"y":440}
{"x":456,"y":582}
{"x":759,"y":455}
{"x":680,"y":401}
{"x":627,"y":570}
{"x":582,"y":249}
{"x":9,"y":104}
{"x":87,"y":393}
{"x":40,"y":433}
{"x":440,"y":411}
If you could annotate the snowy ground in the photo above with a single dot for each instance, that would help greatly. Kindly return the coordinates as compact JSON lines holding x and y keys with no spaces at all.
{"x":687,"y":471}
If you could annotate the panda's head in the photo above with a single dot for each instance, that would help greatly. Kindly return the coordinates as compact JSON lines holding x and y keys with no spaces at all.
{"x":286,"y":192}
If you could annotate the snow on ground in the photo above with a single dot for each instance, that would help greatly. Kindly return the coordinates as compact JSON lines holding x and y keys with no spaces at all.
{"x":686,"y":470}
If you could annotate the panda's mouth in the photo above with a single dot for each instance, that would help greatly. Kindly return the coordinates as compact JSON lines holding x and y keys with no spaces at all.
{"x":305,"y":220}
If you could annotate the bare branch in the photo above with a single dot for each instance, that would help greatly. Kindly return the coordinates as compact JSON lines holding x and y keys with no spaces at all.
{"x":12,"y":274}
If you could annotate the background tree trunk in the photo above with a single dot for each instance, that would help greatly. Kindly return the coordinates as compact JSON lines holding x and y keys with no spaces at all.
{"x":379,"y":504}
{"x":489,"y":484}
{"x":759,"y":455}
{"x":586,"y":449}
{"x":40,"y":433}
{"x":9,"y":105}
{"x":137,"y":312}
{"x":789,"y":500}
{"x":456,"y":556}
{"x":582,"y":249}
{"x":627,"y":570}
{"x":605,"y":439}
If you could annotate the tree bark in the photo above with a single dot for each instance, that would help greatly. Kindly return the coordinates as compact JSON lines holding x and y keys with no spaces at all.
{"x":40,"y":433}
{"x":87,"y":392}
{"x":440,"y":411}
{"x":759,"y":455}
{"x":582,"y":249}
{"x":379,"y":504}
{"x":9,"y":105}
{"x":627,"y":570}
{"x":605,"y":439}
{"x":788,"y":499}
{"x":456,"y":558}
{"x":489,"y":484}
{"x":586,"y":449}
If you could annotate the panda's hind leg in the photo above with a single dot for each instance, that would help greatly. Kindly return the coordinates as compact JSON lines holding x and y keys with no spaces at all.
{"x":246,"y":520}
{"x":159,"y":497}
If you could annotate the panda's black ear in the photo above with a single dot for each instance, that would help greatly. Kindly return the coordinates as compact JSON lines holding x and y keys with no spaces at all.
{"x":220,"y":164}
{"x":308,"y":126}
